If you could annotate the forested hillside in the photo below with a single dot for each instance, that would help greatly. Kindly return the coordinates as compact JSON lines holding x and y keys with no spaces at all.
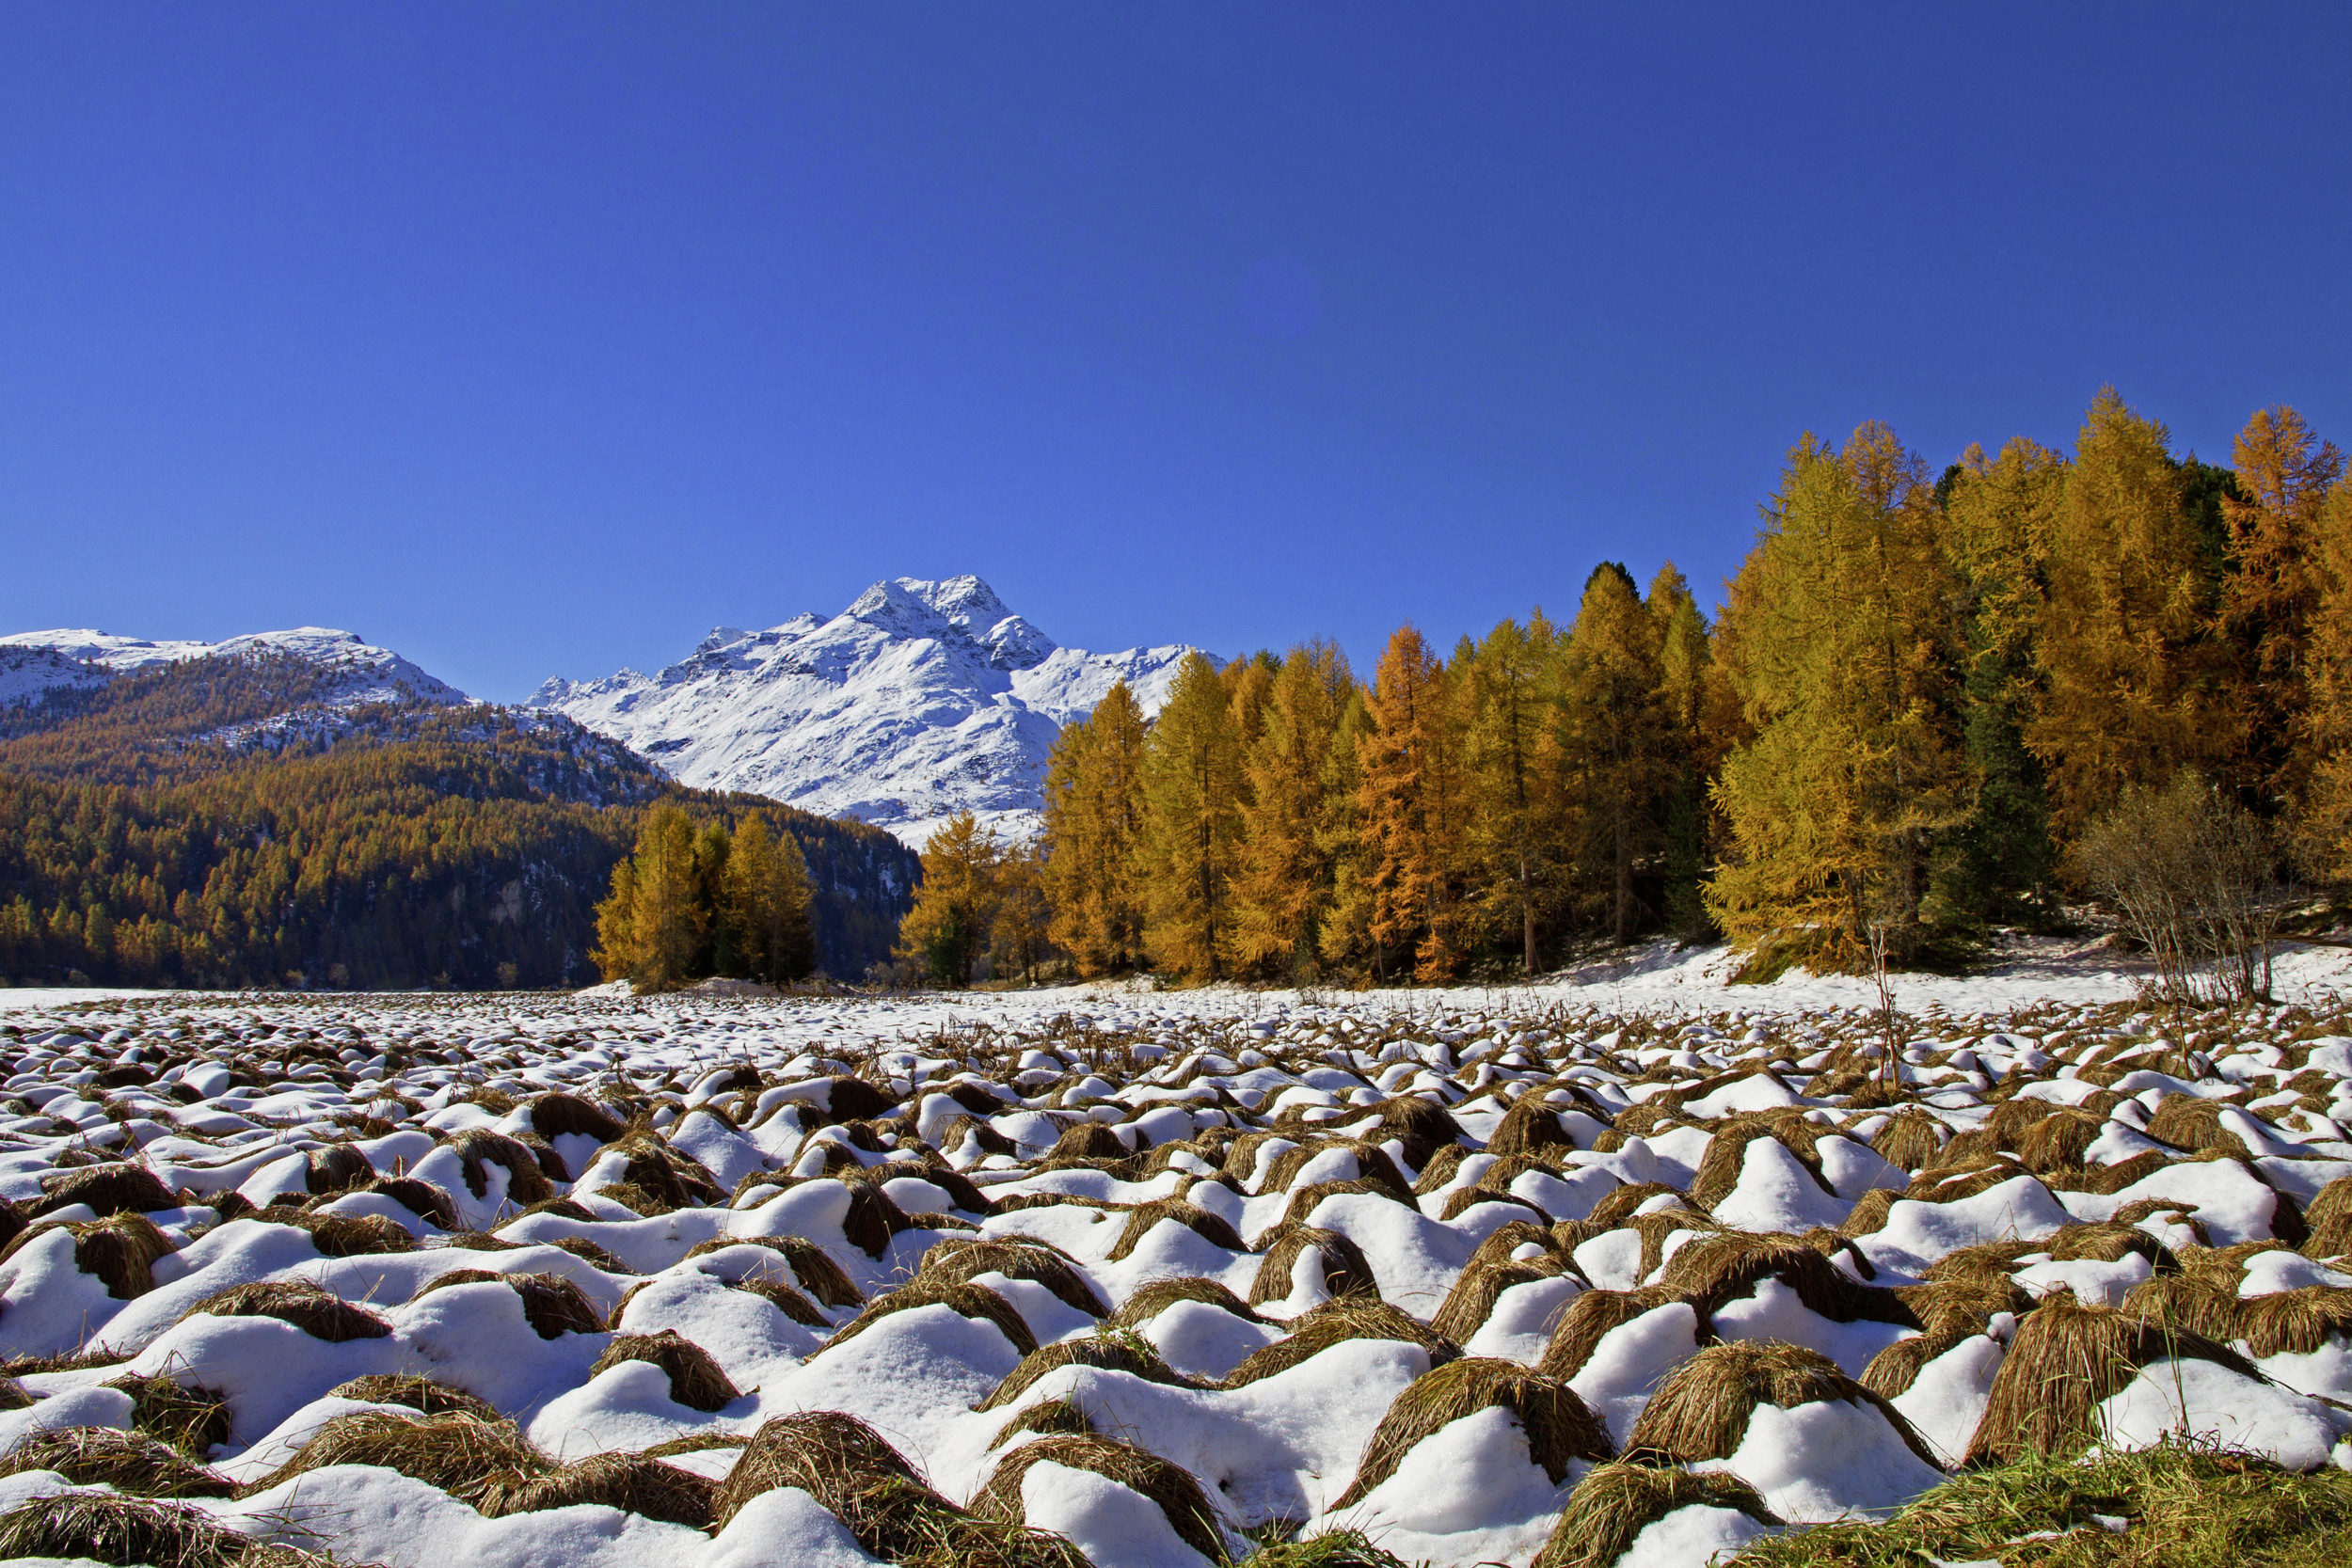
{"x":1931,"y":707}
{"x":210,"y":824}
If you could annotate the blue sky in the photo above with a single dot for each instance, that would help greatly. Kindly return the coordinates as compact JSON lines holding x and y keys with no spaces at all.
{"x":535,"y":339}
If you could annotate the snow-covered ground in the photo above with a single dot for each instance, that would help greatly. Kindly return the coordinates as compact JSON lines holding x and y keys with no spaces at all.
{"x":1164,"y":1267}
{"x":920,"y":700}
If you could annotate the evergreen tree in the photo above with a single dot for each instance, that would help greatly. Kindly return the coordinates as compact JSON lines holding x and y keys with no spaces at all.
{"x":1094,"y":823}
{"x":1615,"y":743}
{"x":1343,"y":934}
{"x":1192,"y":786}
{"x":766,"y":904}
{"x":1847,"y":661}
{"x":1282,"y":880}
{"x":1510,"y":682}
{"x":955,"y":908}
{"x":2000,"y":516}
{"x":1411,"y":805}
{"x":2271,"y":601}
{"x":651,"y":926}
{"x":2136,"y":676}
{"x":2326,"y":728}
{"x":1690,"y":826}
{"x":1019,"y":936}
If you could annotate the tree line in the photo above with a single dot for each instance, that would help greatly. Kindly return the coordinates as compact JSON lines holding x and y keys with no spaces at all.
{"x":1924,"y":703}
{"x":388,"y":845}
{"x":692,"y":903}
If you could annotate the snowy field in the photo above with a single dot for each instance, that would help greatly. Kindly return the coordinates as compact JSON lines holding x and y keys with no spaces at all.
{"x":1153,"y":1278}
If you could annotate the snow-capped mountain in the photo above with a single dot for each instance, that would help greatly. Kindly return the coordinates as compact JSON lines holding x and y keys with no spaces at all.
{"x":919,"y":701}
{"x":32,"y":663}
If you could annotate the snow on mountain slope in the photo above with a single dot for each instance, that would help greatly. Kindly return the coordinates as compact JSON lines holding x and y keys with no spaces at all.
{"x":32,"y":663}
{"x":920,"y":700}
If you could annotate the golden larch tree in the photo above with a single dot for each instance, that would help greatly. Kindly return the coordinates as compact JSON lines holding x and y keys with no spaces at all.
{"x":1412,"y":806}
{"x":1846,"y":659}
{"x":2135,"y":674}
{"x":1614,"y":741}
{"x":1192,"y":790}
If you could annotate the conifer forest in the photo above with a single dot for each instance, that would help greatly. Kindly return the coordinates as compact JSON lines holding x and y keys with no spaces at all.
{"x":1932,"y":707}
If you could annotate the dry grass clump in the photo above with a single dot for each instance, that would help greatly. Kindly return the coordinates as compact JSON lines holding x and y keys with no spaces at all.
{"x":589,"y":1253}
{"x":1170,"y":1487}
{"x":1716,"y":1270}
{"x":1161,"y":1294}
{"x":1346,"y":1271}
{"x":1046,"y":1416}
{"x":1592,"y":1314}
{"x":958,"y":1258}
{"x":1443,"y":1167}
{"x":1617,"y":1502}
{"x":121,"y":1188}
{"x":1893,"y":1370}
{"x":1531,"y":1123}
{"x":1424,"y":1126}
{"x":1475,"y":1291}
{"x":1143,"y":1216}
{"x":2191,"y":1122}
{"x":420,"y":1198}
{"x":1335,"y":1323}
{"x":872,"y":1218}
{"x":1506,"y":1238}
{"x":127,"y":1461}
{"x":2106,"y":1241}
{"x":778,"y":1294}
{"x":2294,"y":1321}
{"x":1559,"y":1428}
{"x":190,"y":1420}
{"x":119,"y":1251}
{"x":1727,"y":1152}
{"x":1870,"y":1215}
{"x":1338,"y":1548}
{"x":478,"y":1149}
{"x":417,"y":1393}
{"x":973,"y":1301}
{"x":2329,"y":1219}
{"x":1463,"y":1199}
{"x":552,"y":1305}
{"x":1116,"y":1351}
{"x":1950,"y":1184}
{"x":862,"y":1480}
{"x":2067,"y":1358}
{"x":1306,"y":1199}
{"x":555,"y":1114}
{"x":657,"y":1178}
{"x":1618,"y":1204}
{"x":818,"y":1275}
{"x":1087,"y":1140}
{"x":315,"y":1310}
{"x":460,"y":1455}
{"x":2184,"y":1506}
{"x":631,"y":1482}
{"x":1911,"y":1139}
{"x":2107,"y":1179}
{"x":489,"y":1466}
{"x":1701,"y":1410}
{"x":103,"y":1529}
{"x":2059,"y":1141}
{"x":336,"y":1169}
{"x":696,"y":1381}
{"x":353,"y":1235}
{"x":1372,"y":1164}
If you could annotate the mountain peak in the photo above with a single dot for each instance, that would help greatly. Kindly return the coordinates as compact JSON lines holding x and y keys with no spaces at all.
{"x":924,"y":697}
